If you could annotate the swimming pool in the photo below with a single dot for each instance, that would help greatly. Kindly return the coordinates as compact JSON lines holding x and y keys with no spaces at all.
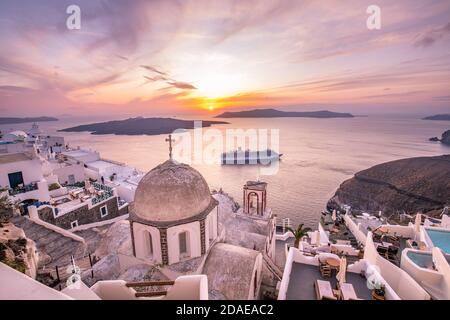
{"x":440,"y":239}
{"x":423,"y":260}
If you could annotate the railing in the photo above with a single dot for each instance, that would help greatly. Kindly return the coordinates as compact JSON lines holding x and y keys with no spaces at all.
{"x":80,"y":184}
{"x":108,"y":192}
{"x":100,"y":198}
{"x":143,"y":284}
{"x":100,"y":186}
{"x":57,"y":276}
{"x":26,"y":188}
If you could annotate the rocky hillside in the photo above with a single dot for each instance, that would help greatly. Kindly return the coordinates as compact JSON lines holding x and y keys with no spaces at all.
{"x":16,"y":250}
{"x":415,"y":184}
{"x":445,"y":139}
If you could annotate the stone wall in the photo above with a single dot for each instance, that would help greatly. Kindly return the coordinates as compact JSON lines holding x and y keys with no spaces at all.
{"x":84,"y":215}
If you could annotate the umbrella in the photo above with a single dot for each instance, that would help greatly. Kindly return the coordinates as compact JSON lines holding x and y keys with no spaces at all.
{"x":318,"y":238}
{"x":342,"y":270}
{"x":418,"y":222}
{"x":333,"y":216}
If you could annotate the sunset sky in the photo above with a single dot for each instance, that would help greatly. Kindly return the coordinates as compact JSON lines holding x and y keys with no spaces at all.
{"x":181,"y":57}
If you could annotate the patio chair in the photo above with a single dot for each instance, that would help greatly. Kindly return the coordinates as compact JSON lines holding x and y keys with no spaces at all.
{"x":393,"y":250}
{"x":391,"y":257}
{"x":324,"y":291}
{"x":347,"y":292}
{"x":382,"y":250}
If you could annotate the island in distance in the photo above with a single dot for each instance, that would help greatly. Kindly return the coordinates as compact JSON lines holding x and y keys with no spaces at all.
{"x":139,"y":126}
{"x":13,"y":120}
{"x":273,"y":113}
{"x":444,"y":117}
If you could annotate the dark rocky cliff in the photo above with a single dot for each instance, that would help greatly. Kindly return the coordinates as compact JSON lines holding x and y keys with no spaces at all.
{"x":413,"y":185}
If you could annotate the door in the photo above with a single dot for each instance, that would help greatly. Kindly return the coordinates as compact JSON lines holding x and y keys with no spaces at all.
{"x":15,"y":179}
{"x":71,"y":179}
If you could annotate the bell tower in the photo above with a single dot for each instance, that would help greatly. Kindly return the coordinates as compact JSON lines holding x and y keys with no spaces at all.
{"x":255,"y":198}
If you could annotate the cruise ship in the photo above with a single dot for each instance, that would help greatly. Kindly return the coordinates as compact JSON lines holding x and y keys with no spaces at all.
{"x":250,"y":157}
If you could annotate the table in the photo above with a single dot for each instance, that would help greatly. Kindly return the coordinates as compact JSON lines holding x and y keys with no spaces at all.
{"x":332,"y":262}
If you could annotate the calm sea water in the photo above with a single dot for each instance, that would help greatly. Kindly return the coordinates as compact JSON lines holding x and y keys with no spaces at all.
{"x":318,"y":155}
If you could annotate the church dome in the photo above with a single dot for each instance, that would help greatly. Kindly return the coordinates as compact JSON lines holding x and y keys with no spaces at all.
{"x":171,"y":192}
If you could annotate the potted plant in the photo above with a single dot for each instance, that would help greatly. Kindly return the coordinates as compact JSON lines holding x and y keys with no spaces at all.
{"x":379,"y":291}
{"x":299,"y":233}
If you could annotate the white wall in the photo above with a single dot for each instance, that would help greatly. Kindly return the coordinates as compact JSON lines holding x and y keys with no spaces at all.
{"x":31,"y":171}
{"x":211,"y":220}
{"x":192,"y":287}
{"x":403,"y":284}
{"x":355,"y":229}
{"x":125,"y":193}
{"x":64,"y":172}
{"x":12,"y":148}
{"x":194,"y":245}
{"x":402,"y":231}
{"x":257,"y":272}
{"x":40,"y":194}
{"x":18,"y":286}
{"x":140,"y":242}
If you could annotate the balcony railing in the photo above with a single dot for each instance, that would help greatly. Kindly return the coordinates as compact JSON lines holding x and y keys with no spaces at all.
{"x":26,"y":188}
{"x":100,"y":198}
{"x":100,"y":186}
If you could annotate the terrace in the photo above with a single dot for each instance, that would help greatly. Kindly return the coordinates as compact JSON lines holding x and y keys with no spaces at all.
{"x":337,"y":230}
{"x":303,"y":278}
{"x":389,"y":244}
{"x":327,"y":276}
{"x":77,"y":196}
{"x":23,"y":188}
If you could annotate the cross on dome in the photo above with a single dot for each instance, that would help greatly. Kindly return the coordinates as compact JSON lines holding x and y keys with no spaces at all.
{"x":170,"y":140}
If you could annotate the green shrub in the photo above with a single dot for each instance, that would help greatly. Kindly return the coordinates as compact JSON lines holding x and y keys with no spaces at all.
{"x":53,"y":186}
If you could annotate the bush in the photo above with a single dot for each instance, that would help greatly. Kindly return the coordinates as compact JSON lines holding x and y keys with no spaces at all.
{"x":6,"y":209}
{"x":53,"y":186}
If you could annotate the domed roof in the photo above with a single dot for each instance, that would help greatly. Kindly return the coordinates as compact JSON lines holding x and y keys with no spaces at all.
{"x":16,"y":135}
{"x":171,"y":192}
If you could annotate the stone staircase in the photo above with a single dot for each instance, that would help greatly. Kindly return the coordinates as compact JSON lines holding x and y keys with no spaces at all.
{"x":272,"y":267}
{"x":57,"y":246}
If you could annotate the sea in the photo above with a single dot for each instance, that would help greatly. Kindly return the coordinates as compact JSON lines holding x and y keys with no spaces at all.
{"x":318,"y":154}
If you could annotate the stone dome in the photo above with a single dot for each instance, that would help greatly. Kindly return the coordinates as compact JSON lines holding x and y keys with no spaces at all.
{"x":171,"y":192}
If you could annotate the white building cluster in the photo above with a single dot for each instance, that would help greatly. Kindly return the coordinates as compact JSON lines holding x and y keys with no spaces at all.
{"x":165,"y":230}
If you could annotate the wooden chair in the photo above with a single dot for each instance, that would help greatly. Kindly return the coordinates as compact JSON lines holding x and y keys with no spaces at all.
{"x":382,"y":250}
{"x":325,"y":270}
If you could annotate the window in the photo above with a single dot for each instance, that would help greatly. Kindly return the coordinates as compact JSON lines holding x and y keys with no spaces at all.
{"x":71,"y":179}
{"x":103,"y":211}
{"x":74,"y":224}
{"x":183,"y":239}
{"x":149,"y":244}
{"x":211,"y":227}
{"x":15,"y":179}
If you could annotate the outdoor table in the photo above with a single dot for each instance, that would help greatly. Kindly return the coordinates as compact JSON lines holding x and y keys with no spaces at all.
{"x":332,"y":262}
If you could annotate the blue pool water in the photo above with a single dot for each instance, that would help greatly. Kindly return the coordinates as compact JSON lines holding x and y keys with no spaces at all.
{"x":423,"y":260}
{"x":440,"y":239}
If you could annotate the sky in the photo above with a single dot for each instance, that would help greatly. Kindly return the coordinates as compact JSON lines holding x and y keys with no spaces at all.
{"x":205,"y":57}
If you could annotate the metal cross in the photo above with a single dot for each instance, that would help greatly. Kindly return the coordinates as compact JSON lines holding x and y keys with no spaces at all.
{"x":170,"y":140}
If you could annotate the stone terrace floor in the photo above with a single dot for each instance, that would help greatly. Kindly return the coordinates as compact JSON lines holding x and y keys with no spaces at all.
{"x":303,"y":276}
